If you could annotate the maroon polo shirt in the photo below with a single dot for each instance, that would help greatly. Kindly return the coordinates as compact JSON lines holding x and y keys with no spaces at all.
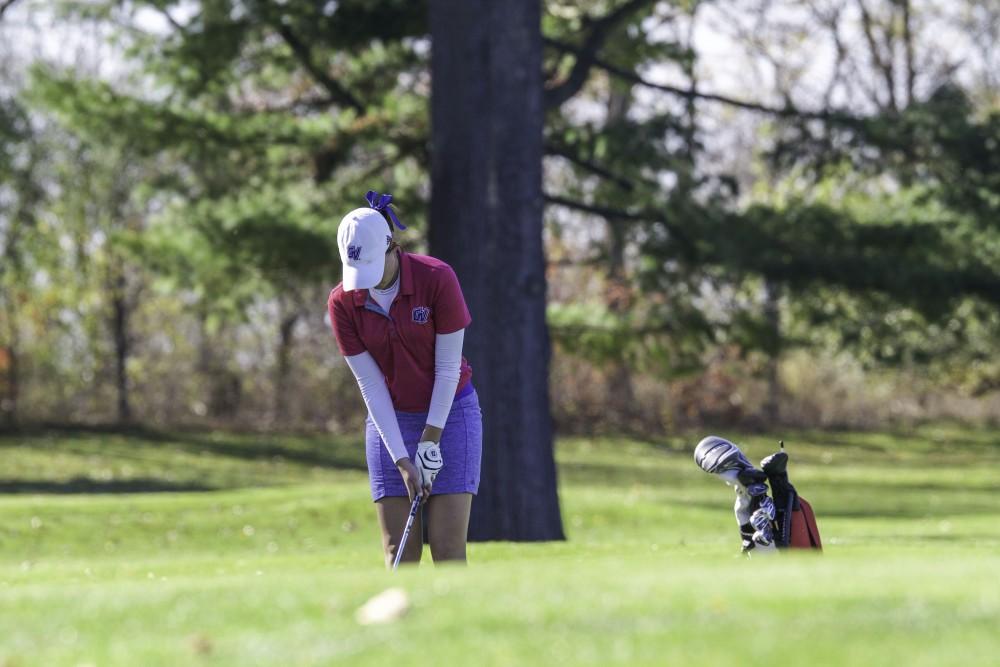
{"x":402,"y":341}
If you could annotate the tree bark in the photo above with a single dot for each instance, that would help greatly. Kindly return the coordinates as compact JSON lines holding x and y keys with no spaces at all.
{"x":119,"y":329}
{"x":12,"y":381}
{"x":911,"y":73}
{"x":772,"y":314}
{"x":225,"y":389}
{"x":5,"y":5}
{"x":283,"y":367}
{"x":486,"y":221}
{"x":621,"y":398}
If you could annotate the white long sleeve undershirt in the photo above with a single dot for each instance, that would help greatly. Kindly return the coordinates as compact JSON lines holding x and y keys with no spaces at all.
{"x":447,"y":372}
{"x":375,"y":392}
{"x":385,"y":297}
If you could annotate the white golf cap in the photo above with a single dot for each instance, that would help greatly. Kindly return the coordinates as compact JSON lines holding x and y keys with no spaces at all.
{"x":363,"y":237}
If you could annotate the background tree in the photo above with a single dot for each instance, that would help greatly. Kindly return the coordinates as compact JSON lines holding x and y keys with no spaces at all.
{"x":701,"y":232}
{"x":20,"y":194}
{"x":729,"y":187}
{"x":486,"y":221}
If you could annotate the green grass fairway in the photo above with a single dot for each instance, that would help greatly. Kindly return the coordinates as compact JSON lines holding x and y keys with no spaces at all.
{"x":216,"y":549}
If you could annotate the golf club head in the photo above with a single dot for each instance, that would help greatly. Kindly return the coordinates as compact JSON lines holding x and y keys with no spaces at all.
{"x":718,"y":456}
{"x":750,"y":477}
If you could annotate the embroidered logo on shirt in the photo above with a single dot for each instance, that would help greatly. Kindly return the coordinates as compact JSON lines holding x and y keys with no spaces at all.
{"x":354,"y":252}
{"x":421,"y":314}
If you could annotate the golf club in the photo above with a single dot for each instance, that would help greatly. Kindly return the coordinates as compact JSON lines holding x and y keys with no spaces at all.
{"x":406,"y":531}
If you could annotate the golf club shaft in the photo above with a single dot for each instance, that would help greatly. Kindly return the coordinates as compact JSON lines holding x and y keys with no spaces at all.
{"x":406,"y":531}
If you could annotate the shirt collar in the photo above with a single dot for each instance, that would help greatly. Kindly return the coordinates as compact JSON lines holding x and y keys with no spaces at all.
{"x":405,"y":281}
{"x":405,"y":274}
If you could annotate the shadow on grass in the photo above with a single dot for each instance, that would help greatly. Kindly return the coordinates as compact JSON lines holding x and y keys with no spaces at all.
{"x":85,"y":485}
{"x":844,"y":499}
{"x":309,"y":452}
{"x":615,"y":475}
{"x":918,"y":440}
{"x":874,"y":510}
{"x":315,"y":450}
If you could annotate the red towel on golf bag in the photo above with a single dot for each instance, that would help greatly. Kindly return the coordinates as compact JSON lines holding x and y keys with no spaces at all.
{"x":804,"y":533}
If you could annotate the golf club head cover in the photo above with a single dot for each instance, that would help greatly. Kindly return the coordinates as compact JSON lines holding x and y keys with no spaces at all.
{"x":718,"y":456}
{"x":775,"y":464}
{"x":429,"y":461}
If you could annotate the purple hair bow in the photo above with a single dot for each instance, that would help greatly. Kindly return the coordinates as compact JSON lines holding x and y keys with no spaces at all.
{"x":383,"y":204}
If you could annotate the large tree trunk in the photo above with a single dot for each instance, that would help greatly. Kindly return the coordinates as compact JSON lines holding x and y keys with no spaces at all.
{"x":486,"y":221}
{"x":618,"y":295}
{"x":10,"y":384}
{"x":225,"y":389}
{"x":284,"y":367}
{"x":119,"y":328}
{"x":772,"y":314}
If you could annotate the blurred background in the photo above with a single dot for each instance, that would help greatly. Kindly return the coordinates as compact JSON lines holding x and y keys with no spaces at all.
{"x":757,"y":212}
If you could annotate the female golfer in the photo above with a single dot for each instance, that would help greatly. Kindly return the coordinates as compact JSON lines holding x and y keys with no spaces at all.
{"x":400,"y":320}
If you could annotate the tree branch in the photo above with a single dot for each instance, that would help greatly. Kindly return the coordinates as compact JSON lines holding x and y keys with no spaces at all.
{"x":600,"y":29}
{"x":832,"y":22}
{"x":605,"y":212}
{"x":788,"y":111}
{"x":576,"y":330}
{"x":609,"y":214}
{"x":337,"y":92}
{"x":595,"y":260}
{"x":884,"y":68}
{"x":911,"y":74}
{"x":565,"y":153}
{"x":5,"y":5}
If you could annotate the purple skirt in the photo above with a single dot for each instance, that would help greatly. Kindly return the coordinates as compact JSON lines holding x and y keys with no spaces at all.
{"x":461,"y":449}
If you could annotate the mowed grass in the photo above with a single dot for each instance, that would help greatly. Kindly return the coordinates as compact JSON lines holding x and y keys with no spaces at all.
{"x":218,"y":549}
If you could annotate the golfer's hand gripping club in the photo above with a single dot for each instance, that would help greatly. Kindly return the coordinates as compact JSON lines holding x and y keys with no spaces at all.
{"x":429,"y":463}
{"x":412,"y":479}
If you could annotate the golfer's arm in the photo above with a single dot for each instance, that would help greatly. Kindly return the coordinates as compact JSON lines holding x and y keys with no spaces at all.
{"x":378,"y":401}
{"x":447,"y":371}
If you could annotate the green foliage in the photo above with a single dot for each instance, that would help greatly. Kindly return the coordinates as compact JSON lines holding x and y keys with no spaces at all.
{"x":666,"y":341}
{"x":899,"y":277}
{"x":918,"y":263}
{"x":942,"y":144}
{"x":97,"y":111}
{"x":234,"y":157}
{"x":216,"y":167}
{"x":893,"y":213}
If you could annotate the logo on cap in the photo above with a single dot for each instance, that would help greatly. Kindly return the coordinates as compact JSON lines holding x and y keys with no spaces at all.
{"x":354,"y":252}
{"x":421,"y":314}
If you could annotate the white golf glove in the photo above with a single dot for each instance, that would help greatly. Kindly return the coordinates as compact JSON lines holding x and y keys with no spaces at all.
{"x":429,"y":461}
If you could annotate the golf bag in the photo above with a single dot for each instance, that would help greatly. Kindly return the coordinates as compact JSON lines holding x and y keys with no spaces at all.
{"x":765,"y":523}
{"x":796,"y":523}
